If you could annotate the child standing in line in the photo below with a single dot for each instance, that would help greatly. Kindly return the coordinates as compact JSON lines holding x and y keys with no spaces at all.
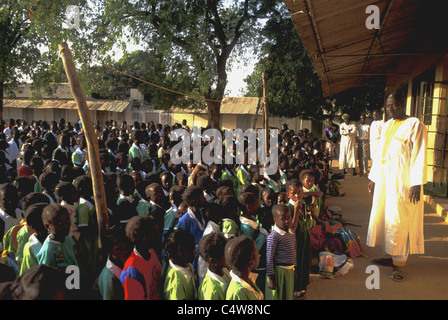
{"x":304,"y":224}
{"x":118,"y":248}
{"x":193,"y":221}
{"x":126,"y":203}
{"x":10,"y":215}
{"x":171,"y":219}
{"x":171,"y":215}
{"x":217,"y":279}
{"x":38,"y":235}
{"x":48,"y":181}
{"x":142,"y":273}
{"x":312,"y":195}
{"x":269,"y":198}
{"x":242,"y":257}
{"x":87,"y":243}
{"x":58,"y":248}
{"x":180,"y":282}
{"x":281,"y":255}
{"x":250,"y":227}
{"x":213,"y":217}
{"x":230,"y":224}
{"x":69,"y":197}
{"x":24,"y":233}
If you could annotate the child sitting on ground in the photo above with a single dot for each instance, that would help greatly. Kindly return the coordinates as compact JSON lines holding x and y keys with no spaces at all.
{"x":242,"y":257}
{"x":281,"y":255}
{"x":180,"y":282}
{"x":142,"y":273}
{"x":217,"y":278}
{"x":58,"y":249}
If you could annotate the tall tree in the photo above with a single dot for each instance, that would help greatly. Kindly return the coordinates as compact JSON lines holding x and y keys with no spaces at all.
{"x":28,"y":28}
{"x":194,"y":40}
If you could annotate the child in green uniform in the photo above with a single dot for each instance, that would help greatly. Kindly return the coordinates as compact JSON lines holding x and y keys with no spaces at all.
{"x":217,"y":278}
{"x":58,"y":249}
{"x":118,"y":248}
{"x":305,"y":223}
{"x":180,"y":282}
{"x":230,"y":224}
{"x":38,"y":232}
{"x":242,"y":257}
{"x":87,"y":243}
{"x":251,"y":228}
{"x":312,"y":194}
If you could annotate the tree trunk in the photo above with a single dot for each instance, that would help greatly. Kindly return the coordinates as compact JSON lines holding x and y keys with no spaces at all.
{"x":214,"y":104}
{"x":214,"y":114}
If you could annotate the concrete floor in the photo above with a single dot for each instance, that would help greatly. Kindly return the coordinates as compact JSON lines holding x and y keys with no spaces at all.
{"x":426,"y":275}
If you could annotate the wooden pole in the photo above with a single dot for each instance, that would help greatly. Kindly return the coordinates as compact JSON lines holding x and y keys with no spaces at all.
{"x":92,"y":141}
{"x":266,"y":115}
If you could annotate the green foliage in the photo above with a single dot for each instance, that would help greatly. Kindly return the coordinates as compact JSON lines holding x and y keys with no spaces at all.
{"x":190,"y":41}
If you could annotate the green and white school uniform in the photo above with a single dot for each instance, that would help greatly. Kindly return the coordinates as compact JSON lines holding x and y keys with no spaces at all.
{"x":78,"y":157}
{"x":180,"y":282}
{"x":229,"y":175}
{"x":241,"y":290}
{"x":214,"y":286}
{"x":229,"y":228}
{"x":30,"y":251}
{"x":243,"y":177}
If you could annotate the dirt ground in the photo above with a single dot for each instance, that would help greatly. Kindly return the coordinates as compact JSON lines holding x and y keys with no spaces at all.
{"x":426,"y":275}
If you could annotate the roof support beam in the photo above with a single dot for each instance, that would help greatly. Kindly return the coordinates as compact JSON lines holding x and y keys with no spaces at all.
{"x":376,"y":38}
{"x":317,"y":38}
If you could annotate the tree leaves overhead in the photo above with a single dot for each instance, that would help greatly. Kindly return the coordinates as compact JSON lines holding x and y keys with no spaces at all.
{"x":192,"y":39}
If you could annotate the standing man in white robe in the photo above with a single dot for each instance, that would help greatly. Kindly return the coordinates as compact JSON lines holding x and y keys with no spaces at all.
{"x":375,"y":133}
{"x":363,"y":145}
{"x":347,"y":152}
{"x":397,"y":179}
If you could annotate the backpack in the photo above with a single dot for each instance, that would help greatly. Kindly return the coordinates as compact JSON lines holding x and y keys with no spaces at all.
{"x":352,"y":242}
{"x":335,"y":188}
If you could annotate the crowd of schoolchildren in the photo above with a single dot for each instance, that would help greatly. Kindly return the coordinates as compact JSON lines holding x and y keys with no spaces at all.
{"x":186,"y":231}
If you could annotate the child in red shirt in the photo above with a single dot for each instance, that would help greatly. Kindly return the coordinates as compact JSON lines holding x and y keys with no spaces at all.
{"x":142,"y":273}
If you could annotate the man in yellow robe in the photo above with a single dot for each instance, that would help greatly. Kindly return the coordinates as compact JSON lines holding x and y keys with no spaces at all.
{"x":397,"y":180}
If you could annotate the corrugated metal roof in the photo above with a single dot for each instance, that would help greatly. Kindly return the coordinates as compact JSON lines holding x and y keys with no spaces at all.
{"x":345,"y":53}
{"x":229,"y":105}
{"x":96,"y":105}
{"x":62,"y":91}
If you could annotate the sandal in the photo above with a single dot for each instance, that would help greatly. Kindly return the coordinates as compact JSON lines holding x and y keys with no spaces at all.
{"x":383,"y":262}
{"x":398,"y":275}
